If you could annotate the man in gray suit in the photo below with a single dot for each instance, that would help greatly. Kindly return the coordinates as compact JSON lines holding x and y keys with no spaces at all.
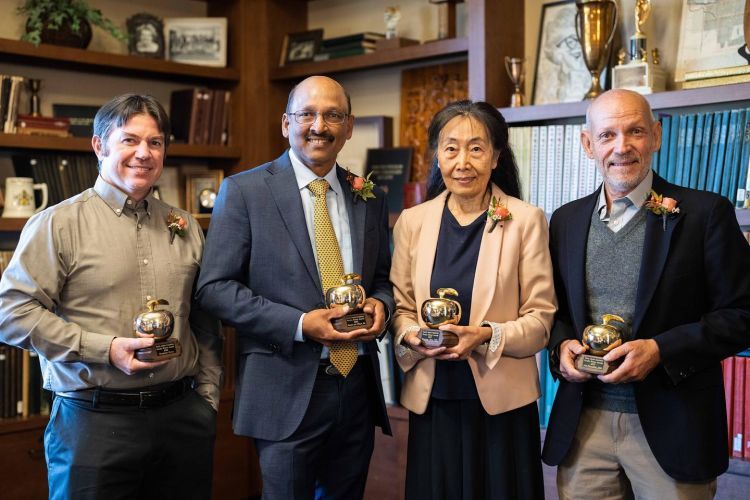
{"x":264,"y":272}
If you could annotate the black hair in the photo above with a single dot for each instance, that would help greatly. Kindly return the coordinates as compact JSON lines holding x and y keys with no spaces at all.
{"x":505,"y":176}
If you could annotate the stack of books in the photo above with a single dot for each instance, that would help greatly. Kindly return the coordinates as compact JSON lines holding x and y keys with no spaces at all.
{"x":349,"y":45}
{"x":200,"y":116}
{"x":42,"y":125}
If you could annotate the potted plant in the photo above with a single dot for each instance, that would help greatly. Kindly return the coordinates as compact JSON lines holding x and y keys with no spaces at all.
{"x":64,"y":22}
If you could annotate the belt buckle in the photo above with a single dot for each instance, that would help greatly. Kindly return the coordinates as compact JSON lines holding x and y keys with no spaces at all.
{"x":332,"y":370}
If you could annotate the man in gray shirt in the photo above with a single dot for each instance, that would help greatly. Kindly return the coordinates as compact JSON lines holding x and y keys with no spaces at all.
{"x":82,"y":271}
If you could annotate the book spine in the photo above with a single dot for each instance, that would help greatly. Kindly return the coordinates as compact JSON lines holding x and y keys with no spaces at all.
{"x":738,"y":406}
{"x":695,"y":157}
{"x":727,"y":368}
{"x":743,"y":177}
{"x":661,"y":165}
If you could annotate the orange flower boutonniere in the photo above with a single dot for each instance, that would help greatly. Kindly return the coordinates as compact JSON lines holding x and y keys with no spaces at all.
{"x":662,"y":205}
{"x":497,"y":212}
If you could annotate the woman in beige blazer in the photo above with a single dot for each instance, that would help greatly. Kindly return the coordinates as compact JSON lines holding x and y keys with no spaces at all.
{"x":473,"y":421}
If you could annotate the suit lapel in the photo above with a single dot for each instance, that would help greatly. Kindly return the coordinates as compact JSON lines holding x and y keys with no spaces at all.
{"x":356,"y":210}
{"x":283,"y":186}
{"x":427,"y":245}
{"x":486,"y":285}
{"x":576,"y":239}
{"x":655,"y":251}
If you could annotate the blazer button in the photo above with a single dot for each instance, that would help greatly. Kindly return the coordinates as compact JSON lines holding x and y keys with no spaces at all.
{"x":273,"y":347}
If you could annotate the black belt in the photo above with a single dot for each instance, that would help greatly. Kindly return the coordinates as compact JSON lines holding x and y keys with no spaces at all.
{"x":149,"y":397}
{"x":326,"y":368}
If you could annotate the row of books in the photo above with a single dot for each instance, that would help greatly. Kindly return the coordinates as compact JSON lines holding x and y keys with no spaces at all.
{"x":349,"y":45}
{"x":553,"y":168}
{"x":737,"y":394}
{"x":21,"y":382}
{"x":65,"y":175}
{"x":200,"y":116}
{"x":707,"y":151}
{"x":10,"y":96}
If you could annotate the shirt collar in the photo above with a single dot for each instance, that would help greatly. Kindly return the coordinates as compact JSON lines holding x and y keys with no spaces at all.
{"x":305,"y":176}
{"x":637,"y":196}
{"x":116,"y":199}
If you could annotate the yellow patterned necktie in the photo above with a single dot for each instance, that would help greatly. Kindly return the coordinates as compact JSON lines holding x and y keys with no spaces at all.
{"x":331,"y":267}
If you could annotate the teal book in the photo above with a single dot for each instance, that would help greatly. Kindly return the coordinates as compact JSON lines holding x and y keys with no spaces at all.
{"x":675,"y":169}
{"x":695,"y":156}
{"x":731,"y":140}
{"x":729,"y":188}
{"x":660,"y":163}
{"x":705,"y":151}
{"x":743,"y":180}
{"x":683,"y":170}
{"x":721,"y":152}
{"x":711,"y":172}
{"x":673,"y":136}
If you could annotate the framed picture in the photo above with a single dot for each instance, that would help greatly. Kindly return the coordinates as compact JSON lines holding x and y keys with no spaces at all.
{"x":145,"y":36}
{"x":300,"y":47}
{"x":561,"y":74}
{"x":81,"y":117}
{"x":200,"y":191}
{"x":711,"y":36}
{"x":197,"y":40}
{"x":369,"y":132}
{"x":390,"y":169}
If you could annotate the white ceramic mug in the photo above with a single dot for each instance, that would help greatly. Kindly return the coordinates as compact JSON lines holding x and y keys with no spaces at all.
{"x":19,"y":197}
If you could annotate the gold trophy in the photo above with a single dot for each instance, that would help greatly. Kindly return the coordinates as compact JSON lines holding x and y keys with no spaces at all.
{"x":436,"y":312}
{"x":596,"y":22}
{"x":640,"y":74}
{"x":160,"y":324}
{"x":516,"y":72}
{"x":349,"y":293}
{"x":599,"y":339}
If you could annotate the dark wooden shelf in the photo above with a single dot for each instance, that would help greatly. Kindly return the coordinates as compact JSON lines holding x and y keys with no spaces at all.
{"x":53,"y":56}
{"x":381,"y":58}
{"x":9,"y":425}
{"x":83,"y":145}
{"x":11,"y":225}
{"x":659,"y":101}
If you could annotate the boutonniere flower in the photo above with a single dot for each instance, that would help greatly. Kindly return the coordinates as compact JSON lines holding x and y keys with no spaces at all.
{"x":662,"y":205}
{"x":361,"y":186}
{"x":497,"y":212}
{"x":176,"y":225}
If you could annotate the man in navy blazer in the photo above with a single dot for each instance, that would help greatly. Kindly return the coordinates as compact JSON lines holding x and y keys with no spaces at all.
{"x":656,"y":426}
{"x":313,"y":427}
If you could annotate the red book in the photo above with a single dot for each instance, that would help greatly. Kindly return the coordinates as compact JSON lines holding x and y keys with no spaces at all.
{"x":738,"y":407}
{"x":746,"y":433}
{"x":727,"y":367}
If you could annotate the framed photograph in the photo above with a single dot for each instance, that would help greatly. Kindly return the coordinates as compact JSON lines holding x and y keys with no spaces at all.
{"x":369,"y":132}
{"x":145,"y":36}
{"x":561,"y":74}
{"x":200,"y":191}
{"x":81,"y":117}
{"x":711,"y":36}
{"x":300,"y":47}
{"x":197,"y":40}
{"x":390,"y":169}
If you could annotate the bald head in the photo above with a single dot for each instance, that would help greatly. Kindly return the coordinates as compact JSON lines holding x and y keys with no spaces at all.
{"x":314,"y":81}
{"x":618,"y":99}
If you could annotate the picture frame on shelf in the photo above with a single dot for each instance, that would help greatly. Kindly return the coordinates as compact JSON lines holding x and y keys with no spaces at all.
{"x":196,"y":40}
{"x":145,"y":35}
{"x":391,"y":168}
{"x":81,"y":117}
{"x":561,"y":74}
{"x":300,"y":47}
{"x":711,"y":36}
{"x":201,"y":189}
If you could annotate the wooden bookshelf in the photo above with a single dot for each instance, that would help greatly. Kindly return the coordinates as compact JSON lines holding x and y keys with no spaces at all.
{"x":53,"y":56}
{"x":83,"y":145}
{"x":736,"y":93}
{"x":454,"y":47}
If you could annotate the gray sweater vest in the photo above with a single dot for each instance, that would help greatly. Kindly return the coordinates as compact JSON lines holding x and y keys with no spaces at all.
{"x":613,"y":263}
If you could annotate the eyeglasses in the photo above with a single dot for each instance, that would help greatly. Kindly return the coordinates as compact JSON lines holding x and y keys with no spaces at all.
{"x":330,"y":117}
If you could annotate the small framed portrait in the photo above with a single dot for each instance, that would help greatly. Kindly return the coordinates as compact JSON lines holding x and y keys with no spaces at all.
{"x":197,"y":40}
{"x":200,"y":191}
{"x":145,"y":36}
{"x":301,"y":47}
{"x":561,"y":74}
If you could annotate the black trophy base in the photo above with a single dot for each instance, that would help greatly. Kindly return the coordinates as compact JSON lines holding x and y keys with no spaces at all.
{"x":595,"y":365}
{"x":433,"y":338}
{"x":160,"y":351}
{"x":353,"y":321}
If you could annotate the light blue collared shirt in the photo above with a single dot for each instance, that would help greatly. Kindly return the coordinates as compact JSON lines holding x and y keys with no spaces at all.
{"x":624,"y":209}
{"x":337,"y":212}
